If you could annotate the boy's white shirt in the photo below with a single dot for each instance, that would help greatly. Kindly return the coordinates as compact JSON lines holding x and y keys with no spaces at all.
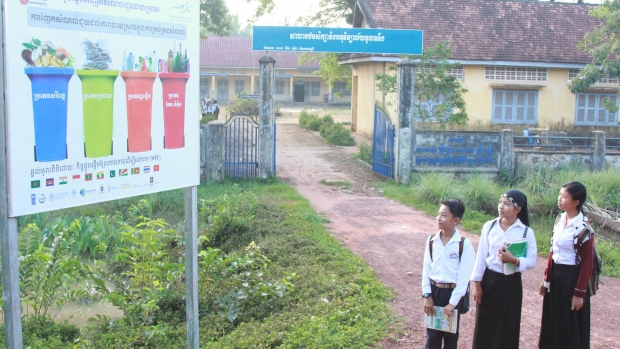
{"x":445,"y":266}
{"x":492,"y":241}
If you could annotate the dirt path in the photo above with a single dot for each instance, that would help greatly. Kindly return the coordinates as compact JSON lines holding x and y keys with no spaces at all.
{"x":391,"y":236}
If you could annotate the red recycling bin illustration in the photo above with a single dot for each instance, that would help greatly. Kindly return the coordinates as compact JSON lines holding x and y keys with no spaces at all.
{"x":173,"y":88}
{"x":139,"y":97}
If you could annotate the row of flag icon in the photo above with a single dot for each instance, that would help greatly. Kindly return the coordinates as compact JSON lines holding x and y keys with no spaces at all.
{"x":50,"y":182}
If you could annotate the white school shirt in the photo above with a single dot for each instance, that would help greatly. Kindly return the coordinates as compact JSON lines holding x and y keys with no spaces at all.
{"x":563,"y":239}
{"x":491,"y":241}
{"x":445,"y":266}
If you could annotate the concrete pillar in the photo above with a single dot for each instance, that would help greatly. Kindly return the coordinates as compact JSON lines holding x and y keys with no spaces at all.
{"x":253,"y":92}
{"x":507,"y":152}
{"x":215,"y":151}
{"x":212,"y":95}
{"x":266,"y":117}
{"x":404,"y":138}
{"x":598,"y":156}
{"x":292,"y":90}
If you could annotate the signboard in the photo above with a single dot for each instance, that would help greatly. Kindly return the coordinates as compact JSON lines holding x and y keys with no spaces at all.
{"x":350,"y":40}
{"x":102,"y":100}
{"x":460,"y":149}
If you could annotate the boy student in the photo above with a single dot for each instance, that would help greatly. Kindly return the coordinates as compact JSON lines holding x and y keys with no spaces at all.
{"x":446,"y":271}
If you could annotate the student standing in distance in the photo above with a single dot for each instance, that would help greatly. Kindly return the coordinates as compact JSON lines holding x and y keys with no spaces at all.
{"x":209,"y":108}
{"x":216,"y":110}
{"x":203,"y":107}
{"x":566,"y":306}
{"x":499,"y":296}
{"x":445,"y":276}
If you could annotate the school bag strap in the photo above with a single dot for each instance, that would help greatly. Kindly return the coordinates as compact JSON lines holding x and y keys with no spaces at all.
{"x":495,"y":221}
{"x":430,"y":246}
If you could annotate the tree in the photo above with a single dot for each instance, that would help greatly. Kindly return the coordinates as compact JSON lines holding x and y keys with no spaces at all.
{"x":603,"y":44}
{"x":438,"y":94}
{"x":331,"y":11}
{"x":330,"y":71}
{"x":215,"y":19}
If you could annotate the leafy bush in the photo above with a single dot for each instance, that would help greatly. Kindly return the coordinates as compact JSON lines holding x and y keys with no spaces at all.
{"x":336,"y":134}
{"x":228,"y":218}
{"x":365,"y":153}
{"x":244,"y":106}
{"x":51,"y":276}
{"x":148,"y":276}
{"x":207,"y":119}
{"x":44,"y":333}
{"x":309,"y":121}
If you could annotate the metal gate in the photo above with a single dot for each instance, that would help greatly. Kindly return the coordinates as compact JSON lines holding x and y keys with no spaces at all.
{"x":241,"y":146}
{"x":383,"y":144}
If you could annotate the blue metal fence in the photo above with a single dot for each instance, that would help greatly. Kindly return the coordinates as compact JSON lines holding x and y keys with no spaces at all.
{"x":383,"y":144}
{"x":241,"y":146}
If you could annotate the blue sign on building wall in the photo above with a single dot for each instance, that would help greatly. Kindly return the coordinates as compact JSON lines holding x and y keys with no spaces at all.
{"x":350,"y":40}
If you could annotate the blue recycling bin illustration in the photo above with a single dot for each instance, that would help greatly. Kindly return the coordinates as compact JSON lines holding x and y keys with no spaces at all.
{"x":49,"y":102}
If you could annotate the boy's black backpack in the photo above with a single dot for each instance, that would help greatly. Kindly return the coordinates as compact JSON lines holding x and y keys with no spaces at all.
{"x":464,"y":307}
{"x":597,"y":264}
{"x":217,"y":109}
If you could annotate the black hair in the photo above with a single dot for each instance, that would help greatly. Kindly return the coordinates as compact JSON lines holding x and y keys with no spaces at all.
{"x":456,"y":207}
{"x":517,"y":198}
{"x":215,"y":101}
{"x":577,"y":191}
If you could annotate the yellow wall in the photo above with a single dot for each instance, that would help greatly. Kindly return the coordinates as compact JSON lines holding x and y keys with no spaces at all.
{"x":556,"y":104}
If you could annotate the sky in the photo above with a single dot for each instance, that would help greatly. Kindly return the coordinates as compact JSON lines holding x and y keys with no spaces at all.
{"x":291,"y":9}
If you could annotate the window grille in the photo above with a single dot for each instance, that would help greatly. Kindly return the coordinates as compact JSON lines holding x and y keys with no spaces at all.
{"x":515,"y":74}
{"x":589,"y":110}
{"x":515,"y":106}
{"x":604,"y":79}
{"x":456,"y":72}
{"x":279,"y":87}
{"x":315,"y":88}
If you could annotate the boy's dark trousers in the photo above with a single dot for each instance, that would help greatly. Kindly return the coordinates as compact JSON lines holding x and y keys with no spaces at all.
{"x":441,"y":297}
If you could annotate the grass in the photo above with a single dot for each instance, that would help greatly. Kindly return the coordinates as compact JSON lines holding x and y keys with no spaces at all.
{"x":336,"y":301}
{"x":336,"y":183}
{"x":541,"y":186}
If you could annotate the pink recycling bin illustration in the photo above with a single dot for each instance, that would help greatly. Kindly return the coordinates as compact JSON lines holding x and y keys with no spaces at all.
{"x":49,"y":102}
{"x":173,"y":88}
{"x":139,"y":97}
{"x":98,"y":105}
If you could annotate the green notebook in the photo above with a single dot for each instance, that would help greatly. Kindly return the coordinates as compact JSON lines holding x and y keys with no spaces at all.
{"x":518,"y":248}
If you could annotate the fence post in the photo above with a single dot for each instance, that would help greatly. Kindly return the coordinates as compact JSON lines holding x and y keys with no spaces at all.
{"x":507,"y":152}
{"x":598,"y":156}
{"x":203,"y":152}
{"x":266,"y":117}
{"x":215,"y":151}
{"x":406,"y":75}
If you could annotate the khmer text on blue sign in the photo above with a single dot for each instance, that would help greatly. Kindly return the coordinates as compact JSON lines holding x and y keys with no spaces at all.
{"x":351,"y":40}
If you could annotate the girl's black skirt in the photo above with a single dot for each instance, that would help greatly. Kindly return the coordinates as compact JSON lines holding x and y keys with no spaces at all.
{"x":498,"y":317}
{"x":562,"y":327}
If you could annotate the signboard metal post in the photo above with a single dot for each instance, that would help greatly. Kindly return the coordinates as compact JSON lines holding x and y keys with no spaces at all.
{"x":8,"y":228}
{"x":191,"y":266}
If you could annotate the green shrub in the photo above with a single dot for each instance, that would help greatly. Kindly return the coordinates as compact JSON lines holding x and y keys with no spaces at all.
{"x":305,"y":118}
{"x":434,"y":187}
{"x":481,"y":193}
{"x":610,"y":253}
{"x":365,"y":153}
{"x":228,"y":218}
{"x":207,"y":119}
{"x":243,"y":106}
{"x":336,"y":134}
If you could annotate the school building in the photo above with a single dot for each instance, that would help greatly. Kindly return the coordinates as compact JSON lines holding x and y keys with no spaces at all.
{"x":517,"y":58}
{"x":229,"y":67}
